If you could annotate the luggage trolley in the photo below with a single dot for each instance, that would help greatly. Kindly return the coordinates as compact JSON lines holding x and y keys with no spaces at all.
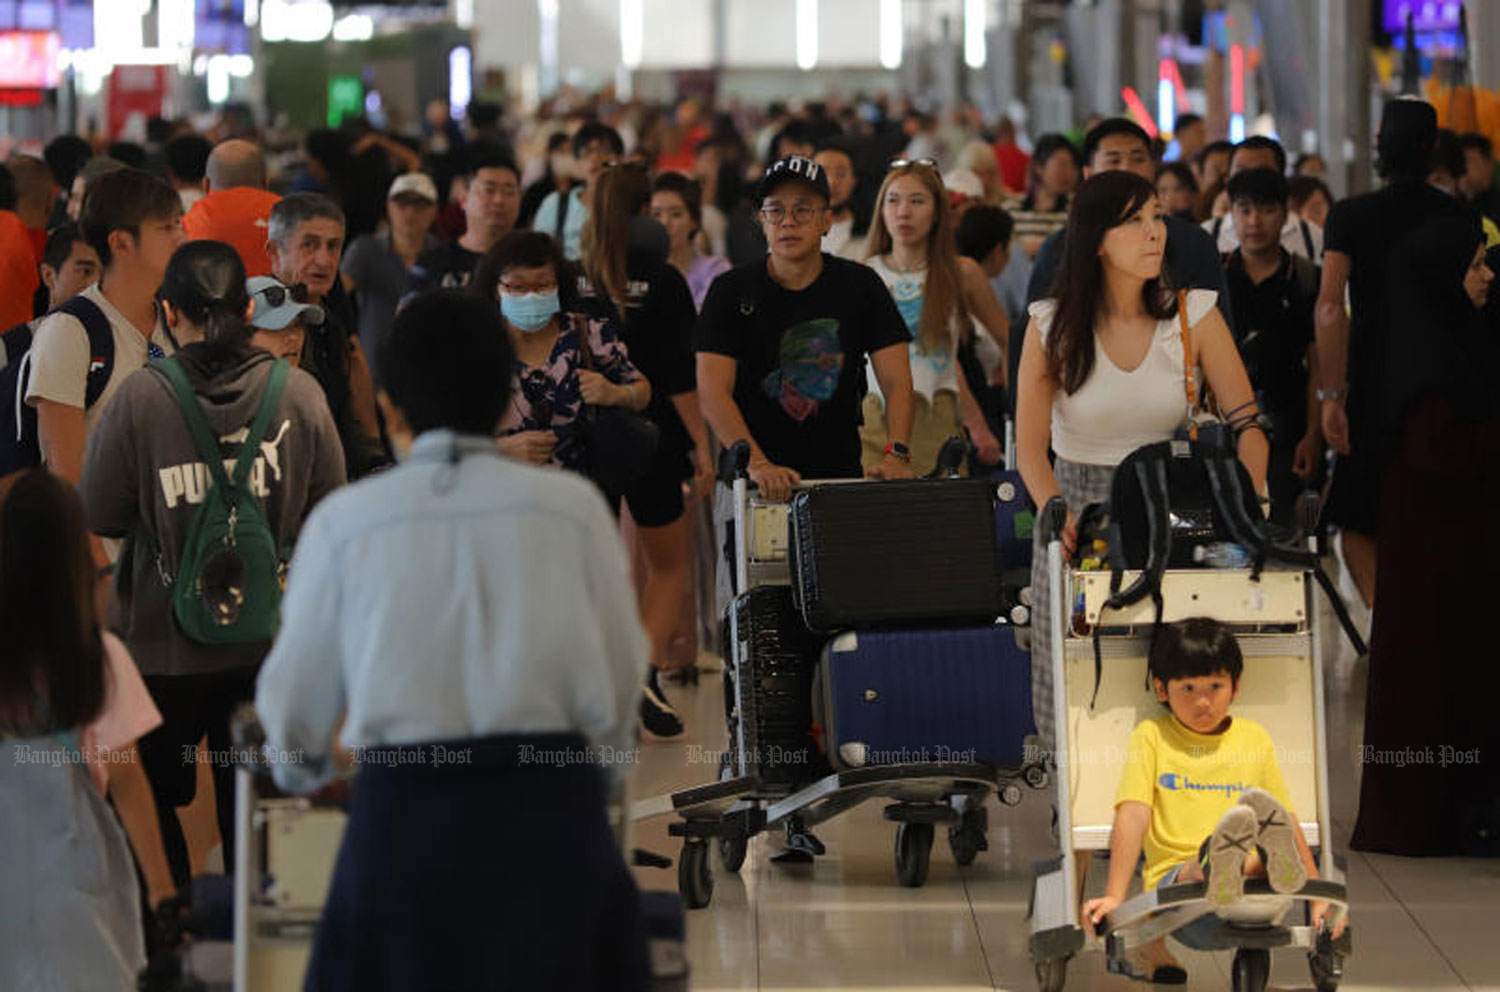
{"x":1276,"y":621}
{"x":743,"y":802}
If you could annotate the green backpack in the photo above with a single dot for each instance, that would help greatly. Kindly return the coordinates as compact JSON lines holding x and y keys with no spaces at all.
{"x":228,"y":587}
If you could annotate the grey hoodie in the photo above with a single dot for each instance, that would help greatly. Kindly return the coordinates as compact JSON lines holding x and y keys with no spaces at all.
{"x":143,"y":481}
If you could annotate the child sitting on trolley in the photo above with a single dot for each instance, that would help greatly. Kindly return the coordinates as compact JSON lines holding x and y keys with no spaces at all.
{"x":1203,"y":795}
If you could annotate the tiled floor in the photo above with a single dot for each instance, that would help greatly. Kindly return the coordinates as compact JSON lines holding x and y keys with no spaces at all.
{"x":844,"y":922}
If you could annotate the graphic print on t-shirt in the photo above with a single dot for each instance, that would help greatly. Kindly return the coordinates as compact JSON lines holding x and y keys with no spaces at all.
{"x":190,"y":481}
{"x":811,"y":360}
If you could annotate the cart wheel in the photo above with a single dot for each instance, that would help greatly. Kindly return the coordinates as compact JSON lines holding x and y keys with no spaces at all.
{"x":913,"y":853}
{"x":1251,"y":970}
{"x":1036,"y":776}
{"x":1327,"y":966}
{"x":695,"y":876}
{"x":1010,"y":794}
{"x":968,"y":837}
{"x":1052,"y":974}
{"x":732,"y":850}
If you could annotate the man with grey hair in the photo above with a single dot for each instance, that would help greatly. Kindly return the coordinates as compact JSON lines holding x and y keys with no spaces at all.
{"x":237,"y":209}
{"x":305,"y":240}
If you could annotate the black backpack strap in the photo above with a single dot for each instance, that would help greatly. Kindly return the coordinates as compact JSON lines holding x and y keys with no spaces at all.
{"x":1340,"y":609}
{"x":1312,"y":252}
{"x":1151,"y":475}
{"x":101,"y":345}
{"x":17,"y":342}
{"x":1218,"y":226}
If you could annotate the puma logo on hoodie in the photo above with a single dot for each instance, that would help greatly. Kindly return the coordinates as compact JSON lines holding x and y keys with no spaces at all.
{"x":190,"y":480}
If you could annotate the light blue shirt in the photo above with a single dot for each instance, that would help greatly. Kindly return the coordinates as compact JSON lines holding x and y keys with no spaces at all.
{"x":546,"y":221}
{"x":459,"y":595}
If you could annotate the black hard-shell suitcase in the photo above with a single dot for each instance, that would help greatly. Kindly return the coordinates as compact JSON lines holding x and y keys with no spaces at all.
{"x":774,"y":657}
{"x":895,"y":553}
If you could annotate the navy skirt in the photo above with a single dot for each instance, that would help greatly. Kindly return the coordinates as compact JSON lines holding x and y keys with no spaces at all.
{"x":495,"y":868}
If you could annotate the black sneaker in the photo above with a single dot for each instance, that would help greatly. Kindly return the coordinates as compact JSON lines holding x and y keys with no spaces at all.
{"x":657,"y":715}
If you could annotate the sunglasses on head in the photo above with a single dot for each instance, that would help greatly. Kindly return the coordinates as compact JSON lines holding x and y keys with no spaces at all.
{"x":536,"y":386}
{"x":904,"y":163}
{"x":275,"y":296}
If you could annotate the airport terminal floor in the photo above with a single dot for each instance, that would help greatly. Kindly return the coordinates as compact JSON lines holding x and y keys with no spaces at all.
{"x":844,"y":922}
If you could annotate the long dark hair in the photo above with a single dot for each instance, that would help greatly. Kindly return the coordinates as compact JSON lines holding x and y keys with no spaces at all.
{"x":1104,"y":202}
{"x":622,"y":193}
{"x":52,"y":665}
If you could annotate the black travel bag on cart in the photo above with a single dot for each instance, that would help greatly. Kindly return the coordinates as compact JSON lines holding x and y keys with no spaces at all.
{"x":773,"y":657}
{"x":893,"y":554}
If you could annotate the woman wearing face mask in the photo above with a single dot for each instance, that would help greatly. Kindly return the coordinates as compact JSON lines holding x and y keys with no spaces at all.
{"x":1442,"y":420}
{"x":1102,"y":374}
{"x":144,"y":480}
{"x":913,"y":250}
{"x":526,"y":273}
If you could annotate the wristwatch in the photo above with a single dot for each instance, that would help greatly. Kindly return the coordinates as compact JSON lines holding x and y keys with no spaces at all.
{"x":899,"y":451}
{"x":1324,"y":395}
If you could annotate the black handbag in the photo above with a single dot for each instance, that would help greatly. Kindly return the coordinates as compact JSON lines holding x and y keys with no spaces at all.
{"x":617,"y":444}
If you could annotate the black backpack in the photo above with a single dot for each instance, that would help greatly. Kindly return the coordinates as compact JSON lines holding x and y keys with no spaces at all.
{"x":1168,"y":499}
{"x":19,"y":447}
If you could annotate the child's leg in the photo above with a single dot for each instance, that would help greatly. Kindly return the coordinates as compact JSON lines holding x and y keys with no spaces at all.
{"x":1276,"y":833}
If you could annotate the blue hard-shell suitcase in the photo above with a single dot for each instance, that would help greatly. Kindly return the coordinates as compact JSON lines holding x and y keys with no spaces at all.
{"x":953,"y":695}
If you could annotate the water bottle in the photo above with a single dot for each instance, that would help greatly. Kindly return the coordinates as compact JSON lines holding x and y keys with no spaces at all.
{"x":1221,"y":554}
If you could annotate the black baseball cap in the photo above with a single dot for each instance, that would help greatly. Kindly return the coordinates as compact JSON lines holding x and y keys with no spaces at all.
{"x":794,"y":169}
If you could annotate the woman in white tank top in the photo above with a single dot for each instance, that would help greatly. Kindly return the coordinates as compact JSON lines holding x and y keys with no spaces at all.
{"x":1102,"y":375}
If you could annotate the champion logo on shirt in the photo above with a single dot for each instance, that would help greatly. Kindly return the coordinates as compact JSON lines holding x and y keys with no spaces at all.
{"x":1173,"y":782}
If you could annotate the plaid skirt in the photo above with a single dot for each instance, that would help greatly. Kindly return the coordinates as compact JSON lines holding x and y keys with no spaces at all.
{"x":1080,"y":485}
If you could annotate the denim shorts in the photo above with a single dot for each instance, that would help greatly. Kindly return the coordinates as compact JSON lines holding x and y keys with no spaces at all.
{"x":1203,"y":933}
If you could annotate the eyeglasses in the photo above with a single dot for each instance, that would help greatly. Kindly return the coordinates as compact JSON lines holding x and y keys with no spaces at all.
{"x":275,"y":296}
{"x":800,"y":214}
{"x":906,"y":163}
{"x":536,"y":387}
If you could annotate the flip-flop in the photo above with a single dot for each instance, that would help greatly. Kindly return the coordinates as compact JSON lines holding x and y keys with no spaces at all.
{"x":1233,"y":839}
{"x":1276,"y":833}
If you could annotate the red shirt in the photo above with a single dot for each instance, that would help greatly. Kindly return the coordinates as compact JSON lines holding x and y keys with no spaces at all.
{"x":1013,"y":165}
{"x":18,"y":275}
{"x":240,"y":217}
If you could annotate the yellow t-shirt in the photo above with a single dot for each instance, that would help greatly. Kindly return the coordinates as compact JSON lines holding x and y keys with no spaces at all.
{"x":1189,"y":780}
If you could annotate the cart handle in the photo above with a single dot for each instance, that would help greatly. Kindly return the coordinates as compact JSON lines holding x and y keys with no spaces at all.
{"x":734,"y":462}
{"x":1054,"y":518}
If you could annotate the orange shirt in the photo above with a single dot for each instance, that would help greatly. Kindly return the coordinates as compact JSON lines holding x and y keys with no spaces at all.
{"x":240,"y":217}
{"x":18,"y":275}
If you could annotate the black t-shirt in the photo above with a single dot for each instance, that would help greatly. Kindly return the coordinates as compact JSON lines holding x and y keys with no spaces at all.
{"x":1366,"y":228}
{"x":1273,"y":327}
{"x":801,"y":358}
{"x":658,"y":335}
{"x":449,"y":265}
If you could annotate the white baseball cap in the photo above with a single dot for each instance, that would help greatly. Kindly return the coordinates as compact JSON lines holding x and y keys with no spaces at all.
{"x":414,"y":184}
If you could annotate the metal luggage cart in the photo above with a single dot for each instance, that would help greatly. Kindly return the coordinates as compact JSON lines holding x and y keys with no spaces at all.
{"x":1276,"y":620}
{"x":732,"y":810}
{"x":284,"y":852}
